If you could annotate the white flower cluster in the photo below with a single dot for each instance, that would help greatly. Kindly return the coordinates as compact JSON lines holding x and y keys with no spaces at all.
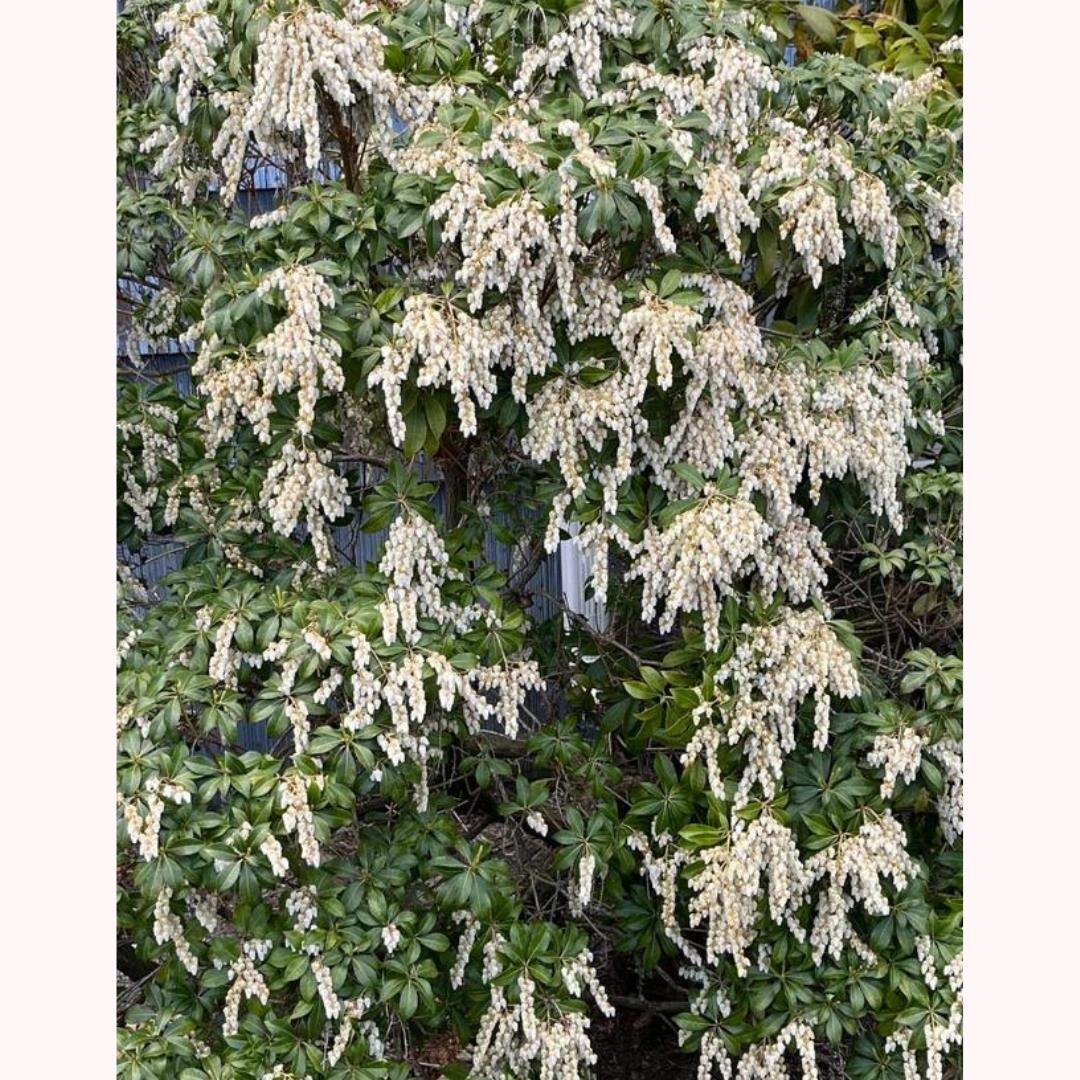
{"x":247,"y":981}
{"x":581,"y":896}
{"x":152,"y":325}
{"x":650,"y":194}
{"x":461,"y":16}
{"x":302,"y":905}
{"x":950,"y":804}
{"x":924,"y":950}
{"x":513,"y":139}
{"x":945,"y":221}
{"x":731,"y":95}
{"x":145,"y":830}
{"x":403,"y":692}
{"x":513,"y":1040}
{"x":872,"y":214}
{"x":767,"y":1061}
{"x":168,"y":927}
{"x":302,"y":481}
{"x":299,"y":53}
{"x":324,"y":983}
{"x":727,"y":369}
{"x":204,"y":907}
{"x":502,"y":247}
{"x":297,"y":816}
{"x":275,"y":856}
{"x":899,"y":754}
{"x":417,"y":564}
{"x":813,"y":163}
{"x":296,"y":47}
{"x":194,"y":36}
{"x":566,"y":419}
{"x":810,"y":217}
{"x":125,"y":645}
{"x":453,"y":349}
{"x":580,"y":43}
{"x":488,"y":695}
{"x":663,"y":873}
{"x":913,"y":91}
{"x":694,"y":563}
{"x":760,"y":859}
{"x":853,"y":867}
{"x":146,"y":444}
{"x":391,"y":938}
{"x":721,"y":195}
{"x":224,"y":662}
{"x":294,"y":356}
{"x":794,"y":419}
{"x":772,"y":671}
{"x":351,"y":1012}
{"x":727,"y":83}
{"x":579,"y":975}
{"x":938,"y":1037}
{"x":464,"y":946}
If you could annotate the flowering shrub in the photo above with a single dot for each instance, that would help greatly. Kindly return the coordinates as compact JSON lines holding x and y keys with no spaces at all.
{"x":681,"y":281}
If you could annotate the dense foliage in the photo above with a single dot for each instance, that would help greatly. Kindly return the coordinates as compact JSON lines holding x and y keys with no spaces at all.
{"x":680,"y":279}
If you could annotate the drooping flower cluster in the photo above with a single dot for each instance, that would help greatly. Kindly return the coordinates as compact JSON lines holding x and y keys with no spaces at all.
{"x":946,"y":221}
{"x":579,"y":43}
{"x":296,"y":47}
{"x":899,"y":755}
{"x":296,"y":356}
{"x":695,"y":562}
{"x":772,"y":671}
{"x":148,"y":441}
{"x":768,"y":1060}
{"x":726,"y":83}
{"x":937,"y":1036}
{"x":417,"y":564}
{"x":297,"y":816}
{"x":453,"y":349}
{"x":853,"y":868}
{"x":650,"y":193}
{"x":194,"y":37}
{"x":168,"y":927}
{"x":721,"y":196}
{"x":514,"y":1039}
{"x":351,"y":1017}
{"x":760,"y":860}
{"x":302,"y":482}
{"x":144,"y":829}
{"x":152,"y":324}
{"x":810,"y":164}
{"x":948,"y":753}
{"x":247,"y":982}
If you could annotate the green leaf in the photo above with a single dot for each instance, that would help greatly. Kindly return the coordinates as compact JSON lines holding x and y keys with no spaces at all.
{"x":691,"y":475}
{"x":415,"y":432}
{"x":822,"y":23}
{"x":436,"y":416}
{"x":702,"y":836}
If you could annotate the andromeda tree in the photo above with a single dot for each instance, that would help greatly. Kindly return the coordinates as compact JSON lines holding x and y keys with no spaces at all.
{"x":677,"y":279}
